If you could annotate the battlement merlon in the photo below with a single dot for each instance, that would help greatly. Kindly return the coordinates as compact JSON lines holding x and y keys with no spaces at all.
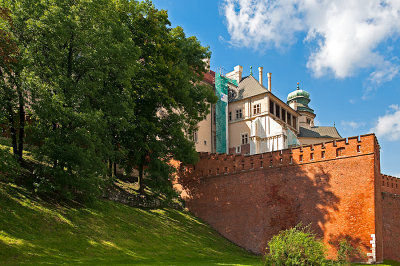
{"x":212,"y":164}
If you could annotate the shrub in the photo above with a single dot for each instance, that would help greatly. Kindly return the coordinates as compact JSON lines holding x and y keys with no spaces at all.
{"x":347,"y":252}
{"x":9,"y":167}
{"x":295,"y":246}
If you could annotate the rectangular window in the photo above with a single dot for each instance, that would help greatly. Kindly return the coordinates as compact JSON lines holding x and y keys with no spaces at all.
{"x":245,"y":138}
{"x":308,"y":121}
{"x":339,"y":152}
{"x":195,"y":137}
{"x":278,"y":111}
{"x":358,"y":148}
{"x":238,"y":150}
{"x":311,"y":156}
{"x":294,"y":122}
{"x":257,"y":109}
{"x":323,"y":154}
{"x":239,"y":114}
{"x":271,"y":106}
{"x":301,"y":158}
{"x":230,"y":116}
{"x":284,"y":115}
{"x":289,"y":119}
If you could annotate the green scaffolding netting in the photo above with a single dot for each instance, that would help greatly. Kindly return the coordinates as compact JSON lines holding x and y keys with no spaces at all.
{"x":221,"y":109}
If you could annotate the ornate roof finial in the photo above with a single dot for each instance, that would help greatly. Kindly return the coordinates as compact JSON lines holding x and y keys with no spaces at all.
{"x":298,"y":87}
{"x":251,"y":70}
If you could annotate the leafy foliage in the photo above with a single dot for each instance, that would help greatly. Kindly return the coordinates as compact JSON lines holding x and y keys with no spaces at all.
{"x":105,"y":83}
{"x":295,"y":246}
{"x":9,"y":167}
{"x":347,"y":252}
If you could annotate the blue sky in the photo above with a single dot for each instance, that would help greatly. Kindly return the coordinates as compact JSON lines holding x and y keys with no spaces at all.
{"x":344,"y":53}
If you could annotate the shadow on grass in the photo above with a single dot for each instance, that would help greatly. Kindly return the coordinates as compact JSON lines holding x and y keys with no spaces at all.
{"x":37,"y":232}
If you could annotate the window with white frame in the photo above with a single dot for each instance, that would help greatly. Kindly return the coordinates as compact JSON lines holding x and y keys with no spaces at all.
{"x":257,"y":109}
{"x":238,"y":149}
{"x":238,"y":113}
{"x":245,"y":138}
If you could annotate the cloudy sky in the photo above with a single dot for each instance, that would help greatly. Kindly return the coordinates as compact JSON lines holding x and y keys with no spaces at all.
{"x":345,"y":53}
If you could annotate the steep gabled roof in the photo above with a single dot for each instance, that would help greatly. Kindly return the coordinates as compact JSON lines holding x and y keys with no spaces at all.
{"x":319,"y":132}
{"x":248,"y":87}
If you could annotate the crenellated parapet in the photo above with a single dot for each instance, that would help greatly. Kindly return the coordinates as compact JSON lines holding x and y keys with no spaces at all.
{"x":390,"y":184}
{"x":213,"y":164}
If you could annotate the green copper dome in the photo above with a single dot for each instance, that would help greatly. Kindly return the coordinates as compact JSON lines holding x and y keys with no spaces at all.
{"x":302,"y":98}
{"x":298,"y":94}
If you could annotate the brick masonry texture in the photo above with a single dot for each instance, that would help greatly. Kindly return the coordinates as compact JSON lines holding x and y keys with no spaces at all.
{"x":391,"y":222}
{"x":335,"y":186}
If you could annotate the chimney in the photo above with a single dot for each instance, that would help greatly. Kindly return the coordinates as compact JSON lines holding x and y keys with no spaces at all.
{"x":269,"y":81}
{"x":260,"y":72}
{"x":236,"y":74}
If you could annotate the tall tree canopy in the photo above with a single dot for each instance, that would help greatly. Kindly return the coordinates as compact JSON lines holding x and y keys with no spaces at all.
{"x":107,"y":82}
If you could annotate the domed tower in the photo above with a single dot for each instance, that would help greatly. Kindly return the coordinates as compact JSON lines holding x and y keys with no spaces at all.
{"x":299,"y":100}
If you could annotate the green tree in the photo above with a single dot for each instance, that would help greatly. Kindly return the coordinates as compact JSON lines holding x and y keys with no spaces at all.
{"x":12,"y":91}
{"x":79,"y":59}
{"x":171,"y":99}
{"x":107,"y":82}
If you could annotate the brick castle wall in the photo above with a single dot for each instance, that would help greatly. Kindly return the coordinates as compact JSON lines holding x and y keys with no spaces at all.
{"x":332,"y":186}
{"x":391,"y":217}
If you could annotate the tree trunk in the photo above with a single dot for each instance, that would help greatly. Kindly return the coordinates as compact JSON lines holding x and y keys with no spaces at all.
{"x":55,"y":162}
{"x":115,"y":169}
{"x":13,"y":131}
{"x":21,"y":133}
{"x":140,"y":179}
{"x":109,"y":168}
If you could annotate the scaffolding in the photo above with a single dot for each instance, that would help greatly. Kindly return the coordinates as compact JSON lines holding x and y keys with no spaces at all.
{"x":221,"y":110}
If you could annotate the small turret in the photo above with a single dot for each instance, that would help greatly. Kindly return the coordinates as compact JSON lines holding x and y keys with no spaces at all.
{"x":299,"y":100}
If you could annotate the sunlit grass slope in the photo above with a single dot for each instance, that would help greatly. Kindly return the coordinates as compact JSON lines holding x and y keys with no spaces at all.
{"x":35,"y":232}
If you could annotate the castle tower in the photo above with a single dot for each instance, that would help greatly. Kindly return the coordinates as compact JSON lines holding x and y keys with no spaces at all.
{"x":299,"y":100}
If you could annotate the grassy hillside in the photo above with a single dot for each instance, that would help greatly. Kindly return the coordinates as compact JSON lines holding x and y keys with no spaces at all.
{"x":35,"y":232}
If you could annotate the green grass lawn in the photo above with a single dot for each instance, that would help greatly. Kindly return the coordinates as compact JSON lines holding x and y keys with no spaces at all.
{"x":34,"y":232}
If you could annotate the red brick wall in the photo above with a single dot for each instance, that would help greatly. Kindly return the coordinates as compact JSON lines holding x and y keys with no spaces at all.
{"x":248,"y":199}
{"x":244,"y":149}
{"x":391,"y":217}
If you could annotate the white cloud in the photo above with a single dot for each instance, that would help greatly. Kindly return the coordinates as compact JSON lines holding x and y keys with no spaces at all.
{"x":352,"y":124}
{"x":389,"y":125}
{"x":346,"y":32}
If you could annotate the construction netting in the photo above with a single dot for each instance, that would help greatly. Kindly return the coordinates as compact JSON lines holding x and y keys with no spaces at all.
{"x":293,"y":141}
{"x":221,"y":112}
